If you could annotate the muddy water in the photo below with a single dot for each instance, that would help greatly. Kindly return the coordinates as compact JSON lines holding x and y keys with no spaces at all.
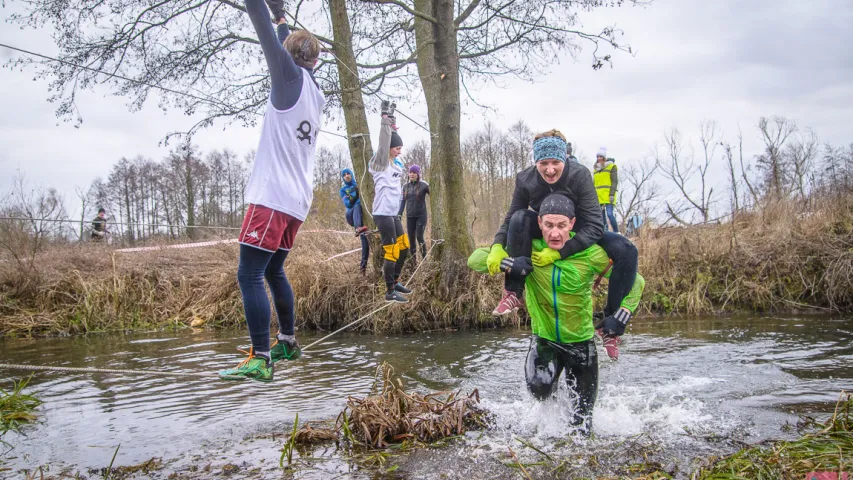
{"x":680,"y":384}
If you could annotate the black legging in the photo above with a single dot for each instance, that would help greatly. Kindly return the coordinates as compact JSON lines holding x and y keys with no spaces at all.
{"x":524,"y":227}
{"x":415,"y":226}
{"x":547,"y":359}
{"x":391,"y":232}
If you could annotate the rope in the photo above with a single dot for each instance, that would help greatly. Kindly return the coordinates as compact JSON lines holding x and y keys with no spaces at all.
{"x":178,"y":246}
{"x":213,"y":227}
{"x":132,"y":224}
{"x":378,"y":309}
{"x":49,"y":368}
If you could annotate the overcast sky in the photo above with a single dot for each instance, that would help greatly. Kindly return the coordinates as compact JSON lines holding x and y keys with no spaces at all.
{"x":729,"y":61}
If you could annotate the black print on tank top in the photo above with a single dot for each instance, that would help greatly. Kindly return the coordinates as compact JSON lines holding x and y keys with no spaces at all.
{"x":305,"y":131}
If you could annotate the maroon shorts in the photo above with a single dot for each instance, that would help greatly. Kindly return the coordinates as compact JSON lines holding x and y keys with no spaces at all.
{"x":268,"y":229}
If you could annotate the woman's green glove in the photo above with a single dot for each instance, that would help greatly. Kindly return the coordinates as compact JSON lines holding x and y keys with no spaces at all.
{"x":493,"y":261}
{"x":544,"y":257}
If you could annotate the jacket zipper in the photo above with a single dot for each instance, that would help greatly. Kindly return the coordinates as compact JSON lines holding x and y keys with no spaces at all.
{"x":555,"y":282}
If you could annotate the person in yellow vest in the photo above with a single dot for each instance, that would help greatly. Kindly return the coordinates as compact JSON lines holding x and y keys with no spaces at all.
{"x":606,"y":184}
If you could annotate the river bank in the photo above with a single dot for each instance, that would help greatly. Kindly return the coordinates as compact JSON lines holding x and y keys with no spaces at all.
{"x":774,"y":260}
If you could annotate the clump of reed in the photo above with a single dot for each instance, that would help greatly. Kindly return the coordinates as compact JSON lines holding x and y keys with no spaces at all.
{"x":826,"y":447}
{"x":78,"y":289}
{"x":773,"y":259}
{"x":17,"y":408}
{"x":391,"y":414}
{"x":776,"y":259}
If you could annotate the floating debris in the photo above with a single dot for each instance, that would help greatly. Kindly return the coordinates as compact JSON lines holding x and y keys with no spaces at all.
{"x":394,"y":415}
{"x":308,"y":435}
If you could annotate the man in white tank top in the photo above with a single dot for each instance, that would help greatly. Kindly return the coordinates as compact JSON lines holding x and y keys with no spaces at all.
{"x":387,"y":171}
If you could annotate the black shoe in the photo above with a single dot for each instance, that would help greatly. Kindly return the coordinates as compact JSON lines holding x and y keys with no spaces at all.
{"x":400,"y":288}
{"x":393,"y":296}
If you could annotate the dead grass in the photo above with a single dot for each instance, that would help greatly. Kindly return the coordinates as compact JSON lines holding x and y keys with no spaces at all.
{"x":777,"y":260}
{"x":77,"y":289}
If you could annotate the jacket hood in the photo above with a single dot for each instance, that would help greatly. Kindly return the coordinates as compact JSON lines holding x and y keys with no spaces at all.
{"x":600,"y":166}
{"x":351,"y":183}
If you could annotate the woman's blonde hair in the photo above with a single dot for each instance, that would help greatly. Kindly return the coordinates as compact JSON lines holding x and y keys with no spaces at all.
{"x":550,"y":133}
{"x":303,"y":47}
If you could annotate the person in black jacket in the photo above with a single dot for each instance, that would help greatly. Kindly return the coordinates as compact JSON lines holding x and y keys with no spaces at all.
{"x":99,"y":226}
{"x":414,"y":203}
{"x":552,"y":174}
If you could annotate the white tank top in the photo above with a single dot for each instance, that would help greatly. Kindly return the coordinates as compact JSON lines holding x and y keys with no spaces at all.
{"x":388,"y":188}
{"x":284,"y":163}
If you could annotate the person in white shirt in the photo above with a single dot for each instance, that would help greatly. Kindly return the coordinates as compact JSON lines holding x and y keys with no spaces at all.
{"x":387,"y":171}
{"x":279,"y":191}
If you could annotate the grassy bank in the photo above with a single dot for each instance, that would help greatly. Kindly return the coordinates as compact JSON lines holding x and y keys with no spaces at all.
{"x":772,"y":261}
{"x":778,"y":259}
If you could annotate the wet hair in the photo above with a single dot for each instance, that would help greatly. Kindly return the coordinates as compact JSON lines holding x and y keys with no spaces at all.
{"x":550,"y":133}
{"x":303,"y":47}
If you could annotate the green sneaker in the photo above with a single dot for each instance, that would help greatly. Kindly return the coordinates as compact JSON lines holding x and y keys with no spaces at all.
{"x":254,"y":368}
{"x":285,"y":351}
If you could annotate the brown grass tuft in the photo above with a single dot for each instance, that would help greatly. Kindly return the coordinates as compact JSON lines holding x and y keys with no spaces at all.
{"x":393,"y":415}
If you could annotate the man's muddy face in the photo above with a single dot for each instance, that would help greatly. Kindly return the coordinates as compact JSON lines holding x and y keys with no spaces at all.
{"x":555,"y":229}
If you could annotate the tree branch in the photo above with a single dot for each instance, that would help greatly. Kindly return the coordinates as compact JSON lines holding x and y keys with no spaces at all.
{"x":407,"y":8}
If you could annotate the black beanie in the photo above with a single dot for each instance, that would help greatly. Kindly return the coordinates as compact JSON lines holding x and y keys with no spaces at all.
{"x":556,"y":204}
{"x":396,"y":141}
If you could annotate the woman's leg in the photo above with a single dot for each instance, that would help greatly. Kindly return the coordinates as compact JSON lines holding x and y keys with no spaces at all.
{"x":282,"y":293}
{"x":412,"y":231}
{"x":256,"y":305}
{"x":609,"y":210}
{"x":402,"y":246}
{"x":365,"y":245}
{"x":388,"y":233}
{"x":523,"y":228}
{"x":625,"y":258}
{"x":421,"y":228}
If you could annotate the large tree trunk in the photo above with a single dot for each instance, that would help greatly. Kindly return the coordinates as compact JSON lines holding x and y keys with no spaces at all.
{"x":352,"y":102}
{"x":438,"y":66}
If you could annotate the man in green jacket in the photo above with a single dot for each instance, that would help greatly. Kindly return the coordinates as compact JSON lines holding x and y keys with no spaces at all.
{"x":559,"y":301}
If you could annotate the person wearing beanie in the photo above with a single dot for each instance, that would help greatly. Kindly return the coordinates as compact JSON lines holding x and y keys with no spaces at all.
{"x":99,"y":226}
{"x":559,"y":301}
{"x":606,"y":182}
{"x":552,"y":174}
{"x":415,"y":206}
{"x":352,"y":201}
{"x":387,"y":171}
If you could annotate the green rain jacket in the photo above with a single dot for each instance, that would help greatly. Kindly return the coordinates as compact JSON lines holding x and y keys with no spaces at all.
{"x":559,"y":296}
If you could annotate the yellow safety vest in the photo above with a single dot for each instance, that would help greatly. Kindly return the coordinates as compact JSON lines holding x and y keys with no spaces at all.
{"x":602,"y":182}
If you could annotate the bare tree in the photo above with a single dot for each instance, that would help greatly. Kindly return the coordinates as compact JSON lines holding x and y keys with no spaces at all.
{"x":37,"y":213}
{"x":681,"y":169}
{"x":774,"y":132}
{"x":733,"y":177}
{"x":801,"y":154}
{"x":638,"y":191}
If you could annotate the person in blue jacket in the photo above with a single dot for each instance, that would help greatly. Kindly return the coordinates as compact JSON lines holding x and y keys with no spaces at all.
{"x":352,"y":201}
